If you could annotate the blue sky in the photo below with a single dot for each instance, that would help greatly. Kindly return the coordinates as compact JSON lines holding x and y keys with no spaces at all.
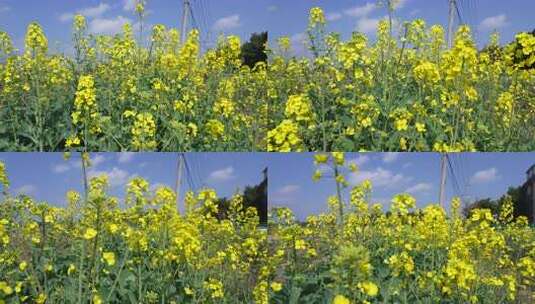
{"x":241,"y":17}
{"x":47,"y":176}
{"x":479,"y":175}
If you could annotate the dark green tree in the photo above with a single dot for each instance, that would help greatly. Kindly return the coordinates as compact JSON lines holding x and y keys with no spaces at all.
{"x":253,"y":196}
{"x":254,"y":50}
{"x":494,"y":205}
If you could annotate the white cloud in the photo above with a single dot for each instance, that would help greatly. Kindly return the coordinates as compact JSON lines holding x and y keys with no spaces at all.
{"x":419,"y":188}
{"x":299,"y":38}
{"x":272,"y":8}
{"x":61,"y":168}
{"x":227,"y":23}
{"x":415,"y":12}
{"x":221,"y":175}
{"x":484,"y":176}
{"x":298,"y":42}
{"x":379,"y":178}
{"x":97,"y":11}
{"x":129,"y":5}
{"x":406,"y":165}
{"x":333,"y":16}
{"x":360,"y":160}
{"x":390,"y":157}
{"x":125,"y":157}
{"x":4,"y":9}
{"x":73,"y":164}
{"x":116,"y":177}
{"x":399,"y":4}
{"x":494,"y":23}
{"x":97,"y":160}
{"x":26,"y":189}
{"x":89,"y":12}
{"x":288,"y":189}
{"x":65,"y":17}
{"x":367,"y":26}
{"x":108,"y":26}
{"x":361,"y":11}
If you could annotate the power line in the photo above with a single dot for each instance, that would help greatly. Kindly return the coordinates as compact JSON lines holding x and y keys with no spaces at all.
{"x":188,"y":173}
{"x":183,"y":28}
{"x":451,"y":20}
{"x":180,"y":166}
{"x":458,"y":13}
{"x":443,"y":175}
{"x":455,"y":184}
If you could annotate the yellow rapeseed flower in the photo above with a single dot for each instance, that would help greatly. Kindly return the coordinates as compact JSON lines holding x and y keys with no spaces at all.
{"x":340,"y":299}
{"x":276,"y":286}
{"x":109,"y":257}
{"x":90,"y":233}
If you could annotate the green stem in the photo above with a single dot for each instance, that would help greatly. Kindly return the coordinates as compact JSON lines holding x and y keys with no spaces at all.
{"x":81,"y":265}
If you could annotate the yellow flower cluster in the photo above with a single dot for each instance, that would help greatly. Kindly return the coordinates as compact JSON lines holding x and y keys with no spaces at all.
{"x":143,"y":243}
{"x":85,"y":114}
{"x":4,"y":181}
{"x":317,"y":16}
{"x":403,"y":91}
{"x":35,"y":41}
{"x":215,"y":128}
{"x":402,"y":254}
{"x":215,"y":287}
{"x":298,"y":107}
{"x":504,"y":108}
{"x":144,"y":132}
{"x":117,"y":77}
{"x":406,"y":92}
{"x":224,"y":107}
{"x":427,"y":73}
{"x":285,"y":137}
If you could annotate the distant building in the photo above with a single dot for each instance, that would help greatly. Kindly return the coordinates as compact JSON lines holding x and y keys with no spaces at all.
{"x":527,"y":202}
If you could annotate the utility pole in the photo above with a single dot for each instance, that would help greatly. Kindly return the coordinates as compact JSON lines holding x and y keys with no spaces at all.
{"x":179,"y":168}
{"x":84,"y":176}
{"x":183,"y":27}
{"x":451,"y":20}
{"x":443,"y":160}
{"x":339,"y":196}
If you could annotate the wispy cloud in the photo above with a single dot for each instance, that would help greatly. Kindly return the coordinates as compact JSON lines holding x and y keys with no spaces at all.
{"x":399,"y":4}
{"x":109,"y":26}
{"x":494,"y":23}
{"x":227,"y":23}
{"x":360,"y":11}
{"x":4,"y":9}
{"x":360,"y":160}
{"x":367,"y":25}
{"x":380,"y":178}
{"x":419,"y":188}
{"x":61,"y":168}
{"x":75,"y":164}
{"x":298,"y":42}
{"x":97,"y":160}
{"x":89,"y":12}
{"x":288,"y":189}
{"x":129,"y":5}
{"x":484,"y":176}
{"x":221,"y":175}
{"x":125,"y":157}
{"x":390,"y":157}
{"x":333,"y":16}
{"x":116,"y":177}
{"x":26,"y":189}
